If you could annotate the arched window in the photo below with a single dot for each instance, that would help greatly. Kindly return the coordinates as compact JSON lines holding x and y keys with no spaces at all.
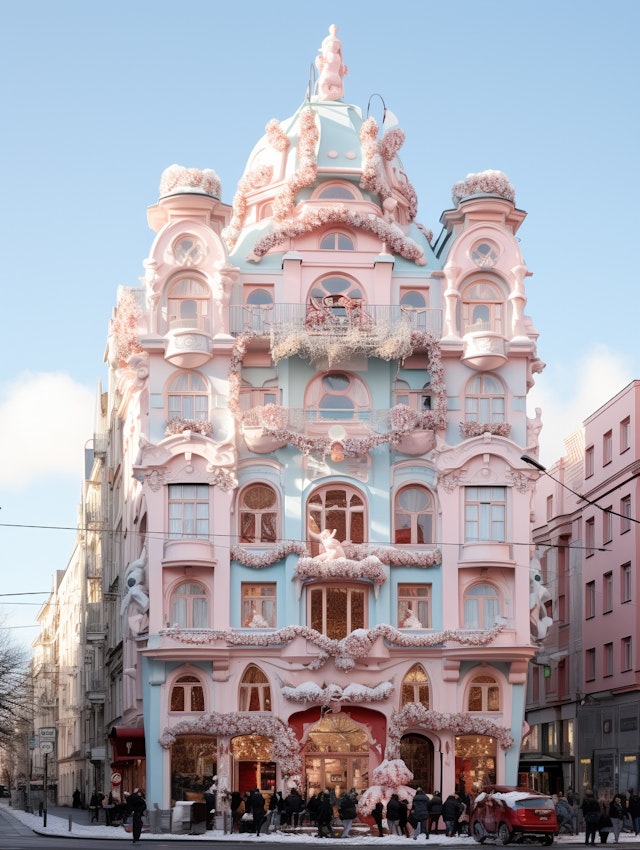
{"x":190,"y":606}
{"x":336,"y":506}
{"x":483,"y":308}
{"x":337,"y":395}
{"x":260,"y":297}
{"x":484,"y":254}
{"x":188,"y":304}
{"x":336,"y":610}
{"x":258,"y":514}
{"x":188,"y":398}
{"x":187,"y":694}
{"x":336,"y":241}
{"x":414,"y":606}
{"x":255,"y":691}
{"x":419,"y":399}
{"x":484,"y":399}
{"x":415,"y":686}
{"x":188,"y":250}
{"x":335,"y":287}
{"x":481,"y":607}
{"x":484,"y":694}
{"x":413,"y":516}
{"x":250,"y":396}
{"x":337,"y":192}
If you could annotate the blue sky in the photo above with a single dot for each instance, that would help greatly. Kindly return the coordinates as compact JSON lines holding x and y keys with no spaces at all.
{"x":99,"y":98}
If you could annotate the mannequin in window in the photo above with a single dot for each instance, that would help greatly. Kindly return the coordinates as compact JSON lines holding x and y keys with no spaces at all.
{"x":410,"y":620}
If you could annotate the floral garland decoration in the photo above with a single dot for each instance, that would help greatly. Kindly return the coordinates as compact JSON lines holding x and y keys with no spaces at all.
{"x":373,"y":172}
{"x":311,"y":692}
{"x":284,"y":201}
{"x":344,"y":652}
{"x":178,"y":425}
{"x":285,"y":747}
{"x":257,"y":560}
{"x":312,"y":220}
{"x":124,"y":326}
{"x":391,"y":776}
{"x":254,"y":179}
{"x":461,"y":723}
{"x":394,"y":557}
{"x":477,"y":429}
{"x":369,"y":568}
{"x":488,"y":182}
{"x":177,"y":178}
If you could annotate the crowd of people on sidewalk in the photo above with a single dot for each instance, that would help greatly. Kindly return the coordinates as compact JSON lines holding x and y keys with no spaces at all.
{"x":330,"y":814}
{"x":604,"y":817}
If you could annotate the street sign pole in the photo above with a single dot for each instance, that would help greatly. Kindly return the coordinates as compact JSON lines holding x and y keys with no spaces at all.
{"x":44,"y":811}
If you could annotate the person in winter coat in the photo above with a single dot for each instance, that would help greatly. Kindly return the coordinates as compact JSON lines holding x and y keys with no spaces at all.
{"x":137,"y":805}
{"x":325,"y":816}
{"x":293,"y":805}
{"x":633,"y":808}
{"x":564,"y":813}
{"x":256,"y":804}
{"x":435,"y":813}
{"x":377,"y":815}
{"x":604,"y":824}
{"x":419,"y":814}
{"x":591,"y":811}
{"x":616,"y":813}
{"x":393,"y":815}
{"x":404,"y":817}
{"x":452,"y":808}
{"x":347,"y":812}
{"x":276,"y":807}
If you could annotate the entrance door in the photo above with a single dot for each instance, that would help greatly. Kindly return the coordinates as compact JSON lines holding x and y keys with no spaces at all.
{"x":336,"y":756}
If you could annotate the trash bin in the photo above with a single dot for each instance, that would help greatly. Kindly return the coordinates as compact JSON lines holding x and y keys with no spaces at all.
{"x":199,"y":813}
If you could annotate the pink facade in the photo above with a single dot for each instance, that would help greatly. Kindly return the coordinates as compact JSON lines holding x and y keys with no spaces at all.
{"x":585,"y":712}
{"x":310,"y":360}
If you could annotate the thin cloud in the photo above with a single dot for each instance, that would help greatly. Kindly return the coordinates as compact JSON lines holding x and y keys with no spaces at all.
{"x":45,"y":421}
{"x":570,"y":392}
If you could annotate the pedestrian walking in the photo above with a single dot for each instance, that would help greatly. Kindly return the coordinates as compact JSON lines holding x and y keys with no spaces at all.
{"x":136,"y":806}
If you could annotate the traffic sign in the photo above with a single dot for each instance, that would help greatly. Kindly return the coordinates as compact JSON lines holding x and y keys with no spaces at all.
{"x":46,"y":746}
{"x":47,"y":733}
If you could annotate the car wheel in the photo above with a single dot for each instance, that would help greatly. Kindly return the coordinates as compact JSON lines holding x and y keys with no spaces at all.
{"x":479,"y":834}
{"x":547,"y":840}
{"x":504,"y":833}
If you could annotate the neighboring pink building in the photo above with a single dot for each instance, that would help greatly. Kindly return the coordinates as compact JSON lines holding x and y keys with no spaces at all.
{"x":323,"y":520}
{"x":583,"y":704}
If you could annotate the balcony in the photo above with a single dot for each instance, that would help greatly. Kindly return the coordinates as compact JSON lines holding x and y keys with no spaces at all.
{"x":485,"y":553}
{"x":287,"y":318}
{"x":186,"y":551}
{"x":483,"y":348}
{"x":188,"y":342}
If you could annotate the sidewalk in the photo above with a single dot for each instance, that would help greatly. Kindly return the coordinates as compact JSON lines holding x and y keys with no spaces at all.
{"x":74,"y":823}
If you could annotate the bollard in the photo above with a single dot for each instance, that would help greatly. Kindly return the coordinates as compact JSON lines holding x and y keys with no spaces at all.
{"x":70,"y":822}
{"x":40,"y":808}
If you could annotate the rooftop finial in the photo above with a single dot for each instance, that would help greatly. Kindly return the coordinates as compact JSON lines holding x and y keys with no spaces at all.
{"x":331,"y":67}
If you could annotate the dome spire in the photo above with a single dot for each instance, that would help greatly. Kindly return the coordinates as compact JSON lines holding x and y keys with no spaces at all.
{"x":331,"y":67}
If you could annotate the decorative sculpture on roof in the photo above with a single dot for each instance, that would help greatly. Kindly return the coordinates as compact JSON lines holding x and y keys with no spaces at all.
{"x":331,"y":67}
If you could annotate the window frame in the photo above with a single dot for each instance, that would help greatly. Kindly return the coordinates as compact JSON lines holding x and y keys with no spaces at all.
{"x":260,"y":688}
{"x":590,"y":664}
{"x":489,"y":688}
{"x":192,"y":619}
{"x":626,"y":583}
{"x":590,"y":600}
{"x":412,"y":690}
{"x":336,"y":515}
{"x":409,"y":599}
{"x":191,"y":685}
{"x":482,"y":403}
{"x":267,"y":536}
{"x":607,"y":448}
{"x":414,"y":517}
{"x":194,"y":397}
{"x":626,"y":654}
{"x":484,"y":603}
{"x":494,"y":307}
{"x":590,"y":537}
{"x":607,"y":592}
{"x":490,"y":512}
{"x":259,"y":603}
{"x":625,"y":434}
{"x":607,"y":660}
{"x":589,"y":461}
{"x":318,"y":603}
{"x":625,"y":511}
{"x":199,"y":523}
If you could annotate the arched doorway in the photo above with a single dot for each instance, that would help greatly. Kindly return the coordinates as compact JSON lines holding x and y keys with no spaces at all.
{"x":417,"y":753}
{"x":193,"y":766}
{"x":336,"y":756}
{"x":252,"y":766}
{"x":475,"y":762}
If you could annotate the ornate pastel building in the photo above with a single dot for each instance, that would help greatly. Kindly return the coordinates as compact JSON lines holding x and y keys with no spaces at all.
{"x":321,"y":516}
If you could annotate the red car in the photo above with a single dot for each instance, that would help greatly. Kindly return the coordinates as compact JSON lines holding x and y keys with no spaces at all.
{"x":512,"y":814}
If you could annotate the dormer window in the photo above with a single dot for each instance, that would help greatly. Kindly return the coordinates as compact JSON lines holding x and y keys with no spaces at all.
{"x":336,"y":241}
{"x":336,"y":192}
{"x":482,"y":308}
{"x":188,"y":305}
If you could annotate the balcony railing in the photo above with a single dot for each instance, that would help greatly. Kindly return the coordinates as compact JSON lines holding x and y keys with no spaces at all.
{"x":265,"y":319}
{"x":315,"y":420}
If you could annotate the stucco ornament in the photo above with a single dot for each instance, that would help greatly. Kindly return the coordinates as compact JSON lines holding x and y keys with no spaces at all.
{"x":331,"y":67}
{"x":331,"y":548}
{"x":135,"y":602}
{"x":541,"y":622}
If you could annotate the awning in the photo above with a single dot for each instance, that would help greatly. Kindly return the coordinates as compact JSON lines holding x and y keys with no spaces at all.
{"x":127,"y":742}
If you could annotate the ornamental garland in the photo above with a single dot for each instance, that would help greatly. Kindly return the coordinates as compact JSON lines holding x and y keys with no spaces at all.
{"x":369,"y":568}
{"x":488,"y":182}
{"x":477,"y":429}
{"x":284,"y":201}
{"x":312,"y":220}
{"x":344,"y":653}
{"x":254,"y":179}
{"x":177,"y":179}
{"x":460,"y":723}
{"x":311,"y":692}
{"x":178,"y":425}
{"x":373,"y":170}
{"x":258,"y":560}
{"x":285,"y":747}
{"x":124,"y":326}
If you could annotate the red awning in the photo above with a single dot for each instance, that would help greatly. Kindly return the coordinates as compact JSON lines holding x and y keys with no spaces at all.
{"x":127,"y":742}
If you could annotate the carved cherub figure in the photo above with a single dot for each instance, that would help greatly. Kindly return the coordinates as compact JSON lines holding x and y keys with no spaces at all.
{"x":331,"y":548}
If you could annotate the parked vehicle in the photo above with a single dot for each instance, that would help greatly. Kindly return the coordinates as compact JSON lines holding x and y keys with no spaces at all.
{"x":511,"y":814}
